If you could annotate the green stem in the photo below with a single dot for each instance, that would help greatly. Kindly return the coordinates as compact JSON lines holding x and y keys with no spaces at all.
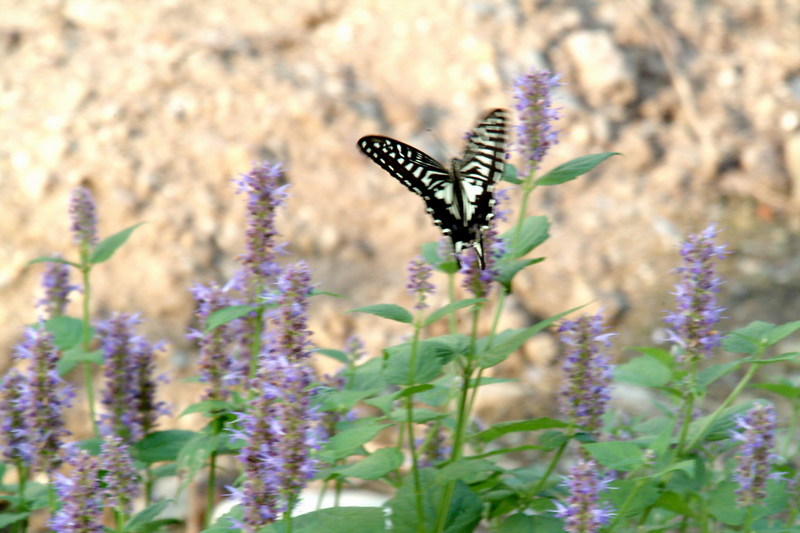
{"x":212,"y":477}
{"x":551,"y":467}
{"x":22,"y":473}
{"x":86,"y":339}
{"x":461,"y":420}
{"x":412,"y":446}
{"x":527,"y":188}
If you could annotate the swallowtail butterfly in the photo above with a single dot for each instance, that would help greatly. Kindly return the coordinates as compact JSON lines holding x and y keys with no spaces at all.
{"x":460,"y":199}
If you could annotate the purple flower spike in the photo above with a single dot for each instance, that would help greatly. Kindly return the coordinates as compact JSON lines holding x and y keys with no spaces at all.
{"x":535,"y":133}
{"x":129,"y":395}
{"x":264,"y":196}
{"x":81,"y":498}
{"x":693,"y":323}
{"x":15,"y":418}
{"x":48,"y":396}
{"x":291,"y":316}
{"x":121,"y":480}
{"x":84,"y":217}
{"x":55,"y":282}
{"x":583,"y":512}
{"x":586,"y":390}
{"x":418,"y":285}
{"x":756,"y":431}
{"x":217,"y":366}
{"x":479,"y":281}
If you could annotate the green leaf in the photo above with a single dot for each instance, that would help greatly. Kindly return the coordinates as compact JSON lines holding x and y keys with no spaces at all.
{"x":572,"y":169}
{"x":467,"y":470}
{"x":510,"y":174}
{"x":146,"y":515}
{"x":633,"y":495}
{"x":644,"y":371}
{"x":52,"y":259}
{"x":508,"y":268}
{"x":431,"y":357}
{"x":333,"y":520}
{"x":779,"y":333}
{"x":534,"y":231}
{"x":106,"y":248}
{"x":785,"y":389}
{"x":195,"y":452}
{"x":789,"y":356}
{"x":337,"y":355}
{"x":450,"y":308}
{"x":207,"y":407}
{"x":389,"y":311}
{"x":749,"y":339}
{"x":162,"y":445}
{"x":616,"y":455}
{"x":504,"y":428}
{"x":522,"y":523}
{"x":378,"y":464}
{"x":463,"y":514}
{"x":430,"y":252}
{"x":6,"y":519}
{"x":416,"y":389}
{"x":66,"y":331}
{"x":350,"y":439}
{"x":228,"y":314}
{"x":500,"y":351}
{"x":71,"y":358}
{"x":710,"y":374}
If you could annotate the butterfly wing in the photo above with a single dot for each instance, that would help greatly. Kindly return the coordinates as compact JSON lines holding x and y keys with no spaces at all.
{"x":419,"y":172}
{"x":481,"y":167}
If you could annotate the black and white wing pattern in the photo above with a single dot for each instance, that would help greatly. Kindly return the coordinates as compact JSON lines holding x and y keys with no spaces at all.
{"x":460,"y":199}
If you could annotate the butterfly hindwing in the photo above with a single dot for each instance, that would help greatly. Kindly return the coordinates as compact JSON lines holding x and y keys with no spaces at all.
{"x":460,"y":199}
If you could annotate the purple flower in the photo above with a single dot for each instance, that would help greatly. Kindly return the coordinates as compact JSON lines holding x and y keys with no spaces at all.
{"x":121,"y":480}
{"x":354,"y":348}
{"x":55,"y":282}
{"x":84,"y":217}
{"x":80,"y":495}
{"x":756,"y":432}
{"x":15,"y":418}
{"x":264,"y":195}
{"x":586,"y":389}
{"x":418,"y":274}
{"x":291,"y":334}
{"x":693,"y":323}
{"x":479,"y":280}
{"x":279,"y":430}
{"x":217,"y":365}
{"x":129,"y":395}
{"x":433,"y":449}
{"x":583,"y":512}
{"x":535,"y":133}
{"x":48,"y":395}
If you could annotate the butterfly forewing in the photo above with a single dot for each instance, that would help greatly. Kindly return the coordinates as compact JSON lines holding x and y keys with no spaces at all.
{"x":482,"y":166}
{"x":419,"y":172}
{"x":461,"y":199}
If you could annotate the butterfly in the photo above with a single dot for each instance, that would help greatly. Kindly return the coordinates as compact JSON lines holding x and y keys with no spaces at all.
{"x":460,"y":199}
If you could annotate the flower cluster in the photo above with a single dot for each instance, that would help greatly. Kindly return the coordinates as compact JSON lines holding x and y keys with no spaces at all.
{"x":693,"y":323}
{"x":15,"y":419}
{"x":48,"y":396}
{"x":477,"y":280}
{"x":129,"y":395}
{"x":756,"y":432}
{"x":587,"y":370}
{"x":55,"y":282}
{"x":264,"y":196}
{"x":80,"y":495}
{"x":217,"y":365}
{"x":84,"y":217}
{"x":279,"y":431}
{"x":290,"y":319}
{"x":583,"y":512}
{"x":418,"y":285}
{"x":535,"y":132}
{"x":121,"y":480}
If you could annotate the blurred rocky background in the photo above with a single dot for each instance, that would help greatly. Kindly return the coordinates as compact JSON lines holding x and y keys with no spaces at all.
{"x":157,"y":105}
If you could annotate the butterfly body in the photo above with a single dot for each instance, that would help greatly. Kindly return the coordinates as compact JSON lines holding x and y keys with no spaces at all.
{"x":460,"y":199}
